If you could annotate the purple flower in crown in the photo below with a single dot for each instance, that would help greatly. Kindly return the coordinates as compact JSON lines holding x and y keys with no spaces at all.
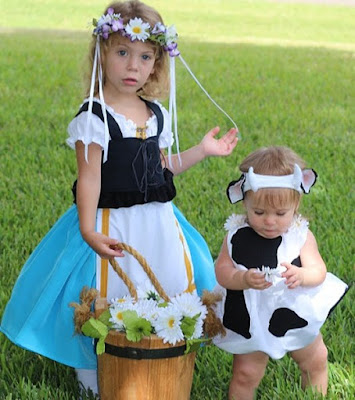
{"x":171,"y":46}
{"x":108,"y":23}
{"x":174,"y":53}
{"x":158,"y":28}
{"x":172,"y":49}
{"x":117,"y":25}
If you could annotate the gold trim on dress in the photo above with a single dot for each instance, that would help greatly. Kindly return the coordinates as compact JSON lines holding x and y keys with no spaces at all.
{"x":141,"y":133}
{"x":104,"y":262}
{"x":188,"y":266}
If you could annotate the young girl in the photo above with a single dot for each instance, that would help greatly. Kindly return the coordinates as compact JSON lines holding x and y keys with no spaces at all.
{"x":277,"y":292}
{"x":123,"y":193}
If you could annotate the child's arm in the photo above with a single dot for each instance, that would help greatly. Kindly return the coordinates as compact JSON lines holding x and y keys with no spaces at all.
{"x":313,"y":269}
{"x":88,"y":192}
{"x":231,"y":278}
{"x":209,"y":146}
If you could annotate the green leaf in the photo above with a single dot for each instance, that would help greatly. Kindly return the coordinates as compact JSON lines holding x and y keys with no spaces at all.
{"x":194,"y":344}
{"x":188,"y":326}
{"x":94,"y":328}
{"x":153,"y":296}
{"x":105,"y":318}
{"x":100,"y":346}
{"x":136,"y":327}
{"x":129,"y":317}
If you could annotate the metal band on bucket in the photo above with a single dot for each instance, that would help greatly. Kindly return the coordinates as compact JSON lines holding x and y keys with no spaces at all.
{"x":143,"y":354}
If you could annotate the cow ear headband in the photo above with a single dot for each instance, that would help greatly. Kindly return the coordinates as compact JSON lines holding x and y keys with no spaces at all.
{"x":300,"y":180}
{"x":137,"y":29}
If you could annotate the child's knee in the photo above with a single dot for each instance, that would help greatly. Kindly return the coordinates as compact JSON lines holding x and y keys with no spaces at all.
{"x":316,"y":360}
{"x":248,"y":374}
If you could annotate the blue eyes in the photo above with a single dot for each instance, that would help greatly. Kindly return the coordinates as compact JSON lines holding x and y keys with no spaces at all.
{"x":124,"y":53}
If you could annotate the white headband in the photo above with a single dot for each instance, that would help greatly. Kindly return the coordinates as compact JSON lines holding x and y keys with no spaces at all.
{"x":300,"y":180}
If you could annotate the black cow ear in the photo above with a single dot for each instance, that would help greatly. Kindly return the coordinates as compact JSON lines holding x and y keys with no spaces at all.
{"x":235,"y":190}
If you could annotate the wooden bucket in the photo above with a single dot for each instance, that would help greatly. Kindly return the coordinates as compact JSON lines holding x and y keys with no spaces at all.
{"x":146,"y":370}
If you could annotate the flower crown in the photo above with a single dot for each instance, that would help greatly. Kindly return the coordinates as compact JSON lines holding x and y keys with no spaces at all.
{"x":136,"y":29}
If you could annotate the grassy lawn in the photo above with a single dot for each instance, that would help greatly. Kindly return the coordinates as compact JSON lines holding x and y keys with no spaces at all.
{"x":284,"y":72}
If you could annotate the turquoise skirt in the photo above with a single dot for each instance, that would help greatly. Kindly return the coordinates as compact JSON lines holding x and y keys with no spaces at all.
{"x":38,"y":317}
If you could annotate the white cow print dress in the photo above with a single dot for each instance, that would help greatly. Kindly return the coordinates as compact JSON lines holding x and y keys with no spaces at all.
{"x":278,"y":319}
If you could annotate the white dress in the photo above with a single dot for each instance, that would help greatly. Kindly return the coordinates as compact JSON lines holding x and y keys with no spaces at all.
{"x":152,"y":229}
{"x":278,"y":319}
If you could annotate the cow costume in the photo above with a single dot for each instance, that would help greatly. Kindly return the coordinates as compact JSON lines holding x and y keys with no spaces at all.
{"x":278,"y":319}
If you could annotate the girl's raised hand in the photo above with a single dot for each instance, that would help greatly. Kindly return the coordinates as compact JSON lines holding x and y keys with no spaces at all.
{"x":101,"y":244}
{"x":219,"y":147}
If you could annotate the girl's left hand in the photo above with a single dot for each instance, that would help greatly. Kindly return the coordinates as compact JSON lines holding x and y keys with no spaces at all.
{"x":293,"y":275}
{"x":219,"y":147}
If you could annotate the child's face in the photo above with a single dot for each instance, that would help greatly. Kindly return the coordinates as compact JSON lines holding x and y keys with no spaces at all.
{"x":269,"y":222}
{"x":128,"y":66}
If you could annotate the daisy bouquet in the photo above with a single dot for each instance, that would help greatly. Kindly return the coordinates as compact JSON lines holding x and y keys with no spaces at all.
{"x":179,"y":319}
{"x":146,"y":311}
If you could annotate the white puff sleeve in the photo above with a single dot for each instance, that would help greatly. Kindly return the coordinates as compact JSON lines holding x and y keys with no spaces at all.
{"x":77,"y":131}
{"x":166,"y":138}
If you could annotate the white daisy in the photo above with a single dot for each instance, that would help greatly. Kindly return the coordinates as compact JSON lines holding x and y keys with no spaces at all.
{"x":234,"y":221}
{"x":137,"y":29}
{"x":147,"y":308}
{"x":189,"y":304}
{"x":122,"y":301}
{"x":117,"y":306}
{"x":297,"y":222}
{"x":273,"y":275}
{"x":117,"y":317}
{"x":167,"y":325}
{"x":198,"y":332}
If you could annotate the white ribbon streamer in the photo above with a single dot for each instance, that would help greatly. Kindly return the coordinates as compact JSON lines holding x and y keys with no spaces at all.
{"x":173,"y":111}
{"x":205,"y":91}
{"x":96,"y":69}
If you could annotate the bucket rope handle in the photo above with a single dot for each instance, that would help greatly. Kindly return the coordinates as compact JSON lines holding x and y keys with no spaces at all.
{"x":142,"y":261}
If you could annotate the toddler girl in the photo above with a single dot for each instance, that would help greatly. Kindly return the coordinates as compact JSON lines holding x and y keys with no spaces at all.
{"x":275,"y":286}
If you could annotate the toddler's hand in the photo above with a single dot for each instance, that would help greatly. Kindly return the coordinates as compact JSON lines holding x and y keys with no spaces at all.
{"x":255,"y":279}
{"x":101,"y":244}
{"x":219,"y":147}
{"x":293,"y":275}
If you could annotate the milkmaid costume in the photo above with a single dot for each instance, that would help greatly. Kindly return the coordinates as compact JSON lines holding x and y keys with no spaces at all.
{"x":135,"y":208}
{"x":278,"y":319}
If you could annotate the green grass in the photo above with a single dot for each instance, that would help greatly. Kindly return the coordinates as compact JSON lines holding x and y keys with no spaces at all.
{"x":282,"y":84}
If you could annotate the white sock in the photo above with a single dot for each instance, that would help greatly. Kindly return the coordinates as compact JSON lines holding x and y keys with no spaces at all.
{"x":88,"y":379}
